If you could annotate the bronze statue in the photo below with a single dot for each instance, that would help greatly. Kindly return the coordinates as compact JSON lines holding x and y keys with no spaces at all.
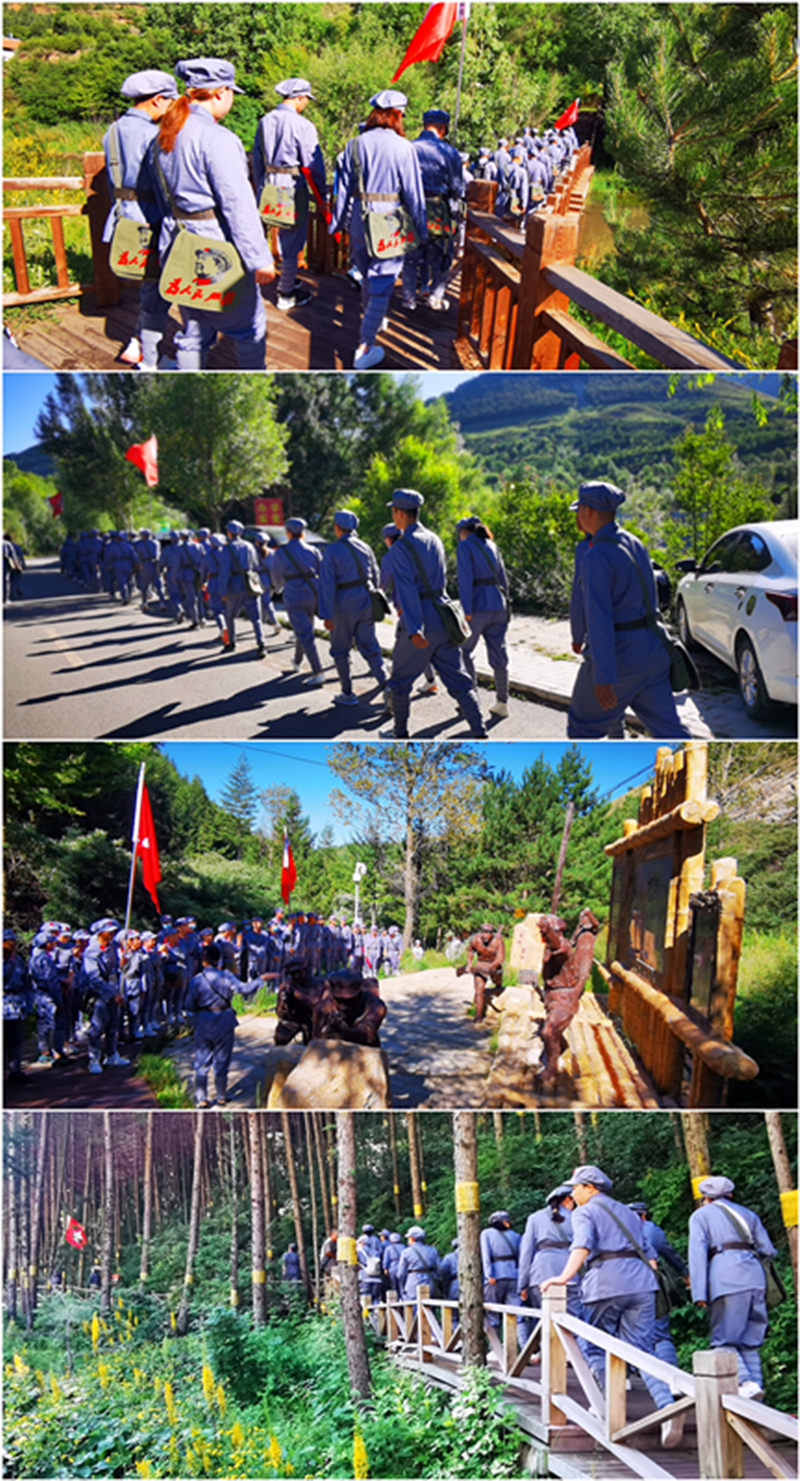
{"x":565,"y":969}
{"x":343,"y":1005}
{"x":486,"y":952}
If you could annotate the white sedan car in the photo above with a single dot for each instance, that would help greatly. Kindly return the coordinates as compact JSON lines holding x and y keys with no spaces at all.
{"x":741,"y":604}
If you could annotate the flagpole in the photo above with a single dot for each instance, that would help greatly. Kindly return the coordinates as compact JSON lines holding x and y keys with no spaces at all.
{"x":134,"y":840}
{"x":460,"y":71}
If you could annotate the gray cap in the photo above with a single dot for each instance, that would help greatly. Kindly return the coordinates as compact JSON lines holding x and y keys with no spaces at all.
{"x":557,"y":1195}
{"x":637,"y":1207}
{"x":294,"y":87}
{"x":296,"y":525}
{"x":389,"y":98}
{"x":590,"y":1174}
{"x":716,"y":1187}
{"x":148,"y":84}
{"x":234,"y":527}
{"x":436,"y":115}
{"x":345,"y":519}
{"x":500,"y":1216}
{"x":395,"y":1238}
{"x":390,"y":532}
{"x":406,"y":499}
{"x":599,"y":494}
{"x":208,"y":72}
{"x":415,"y":1232}
{"x":105,"y":923}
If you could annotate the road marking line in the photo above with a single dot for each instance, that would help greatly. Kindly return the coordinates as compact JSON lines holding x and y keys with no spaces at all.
{"x":72,"y":658}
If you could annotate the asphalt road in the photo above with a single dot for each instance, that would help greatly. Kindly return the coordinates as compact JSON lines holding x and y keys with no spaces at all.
{"x":78,"y":666}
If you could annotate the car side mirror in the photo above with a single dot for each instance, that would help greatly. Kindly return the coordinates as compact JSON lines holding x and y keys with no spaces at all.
{"x":686,"y":566}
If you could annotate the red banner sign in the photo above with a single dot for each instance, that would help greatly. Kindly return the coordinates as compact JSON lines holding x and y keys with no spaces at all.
{"x":268,"y":511}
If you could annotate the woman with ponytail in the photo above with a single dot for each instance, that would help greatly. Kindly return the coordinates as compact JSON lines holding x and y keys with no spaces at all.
{"x":483,"y":593}
{"x":200,"y":171}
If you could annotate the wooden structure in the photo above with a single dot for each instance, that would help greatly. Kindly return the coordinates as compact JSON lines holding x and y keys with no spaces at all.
{"x":517,"y":286}
{"x":581,"y":1431}
{"x":673,"y":950}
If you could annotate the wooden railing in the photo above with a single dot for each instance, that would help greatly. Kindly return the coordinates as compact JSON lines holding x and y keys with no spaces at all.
{"x":95,"y":207}
{"x":424,"y":1334}
{"x":517,"y":285}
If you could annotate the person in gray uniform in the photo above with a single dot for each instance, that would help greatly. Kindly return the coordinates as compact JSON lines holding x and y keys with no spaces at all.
{"x":208,"y":1000}
{"x":264,"y":548}
{"x":347,"y":572}
{"x":238,"y":564}
{"x":418,"y":573}
{"x":612,"y":617}
{"x":380,"y":170}
{"x":443,"y":184}
{"x":390,"y":535}
{"x":17,"y":1004}
{"x":545,"y":1248}
{"x":370,"y":1269}
{"x":290,"y":1264}
{"x":725,"y":1242}
{"x":390,"y":1259}
{"x":125,"y":146}
{"x":200,"y":174}
{"x":169,"y":563}
{"x":191,"y":574}
{"x":499,"y":1257}
{"x":102,"y":981}
{"x":285,"y":145}
{"x":665,"y":1346}
{"x":147,"y":551}
{"x":483,"y":593}
{"x":448,"y":1272}
{"x":418,"y":1264}
{"x":296,"y":571}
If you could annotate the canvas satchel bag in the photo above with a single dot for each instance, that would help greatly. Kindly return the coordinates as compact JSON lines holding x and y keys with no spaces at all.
{"x":132,"y":251}
{"x":283,"y":205}
{"x":682,"y":671}
{"x":453,"y":620}
{"x":389,"y":234}
{"x":378,"y":598}
{"x":200,"y":272}
{"x":439,"y":217}
{"x":775,"y":1290}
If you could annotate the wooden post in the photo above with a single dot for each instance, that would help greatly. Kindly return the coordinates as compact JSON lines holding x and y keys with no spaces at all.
{"x":719,"y":1448}
{"x":447,"y":1326}
{"x":392,"y":1327}
{"x":616,"y":1399}
{"x":510,"y":1340}
{"x":549,"y":239}
{"x":424,"y":1334}
{"x":98,"y":205}
{"x":554,"y":1358}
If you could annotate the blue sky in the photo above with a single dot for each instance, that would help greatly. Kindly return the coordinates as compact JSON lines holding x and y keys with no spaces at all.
{"x":24,"y":394}
{"x":303,"y":766}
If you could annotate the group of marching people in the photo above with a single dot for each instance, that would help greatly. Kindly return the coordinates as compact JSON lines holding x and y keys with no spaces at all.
{"x":606,"y":1253}
{"x":92,"y":988}
{"x":188,"y":224}
{"x":197,"y":577}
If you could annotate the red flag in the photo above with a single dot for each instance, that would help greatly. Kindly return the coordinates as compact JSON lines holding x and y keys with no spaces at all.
{"x":144,"y":841}
{"x":569,"y":117}
{"x":56,"y":502}
{"x":145,"y":457}
{"x":428,"y":41}
{"x":75,"y":1234}
{"x":288,"y":872}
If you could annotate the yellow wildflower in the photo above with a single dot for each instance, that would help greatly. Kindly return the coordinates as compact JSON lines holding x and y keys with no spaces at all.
{"x":143,"y":1468}
{"x":103,"y":1374}
{"x":208,"y":1384}
{"x":54,"y":1388}
{"x":360,"y":1462}
{"x":221,"y":1399}
{"x":156,"y":1384}
{"x":95,"y":1329}
{"x":40,"y":1380}
{"x":274,"y":1453}
{"x":172,"y":1321}
{"x":169,"y":1403}
{"x":120,"y":1303}
{"x":237,"y":1435}
{"x":21,"y":1368}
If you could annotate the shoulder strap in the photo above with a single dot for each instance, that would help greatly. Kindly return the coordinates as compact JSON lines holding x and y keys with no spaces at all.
{"x":113,"y":157}
{"x":269,"y":167}
{"x":417,"y":559}
{"x":631,"y":1241}
{"x":309,"y":576}
{"x":364,"y":197}
{"x":507,"y":1243}
{"x":739,"y":1224}
{"x":487,"y":555}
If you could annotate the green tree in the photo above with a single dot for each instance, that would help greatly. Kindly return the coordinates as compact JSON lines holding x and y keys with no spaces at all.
{"x":27,"y":516}
{"x":239,"y":797}
{"x":710,"y":489}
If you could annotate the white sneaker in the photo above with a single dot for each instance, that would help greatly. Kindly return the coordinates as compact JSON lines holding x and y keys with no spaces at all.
{"x":426,"y":688}
{"x":345,"y":699}
{"x":672,"y":1432}
{"x":409,"y":307}
{"x":140,"y":365}
{"x":95,"y":1067}
{"x":369,"y":359}
{"x":499,"y":708}
{"x":439,"y":305}
{"x":751,"y":1390}
{"x":132,"y":353}
{"x":384,"y":324}
{"x":314,"y":681}
{"x":295,"y":666}
{"x":117,"y":1060}
{"x":276,"y":630}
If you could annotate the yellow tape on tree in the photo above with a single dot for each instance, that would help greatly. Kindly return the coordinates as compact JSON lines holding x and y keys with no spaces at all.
{"x":468,"y":1198}
{"x":259,"y":1277}
{"x":789,"y":1208}
{"x":143,"y":1275}
{"x":396,"y":1188}
{"x":346,"y":1252}
{"x":696,"y":1185}
{"x":234,"y":1296}
{"x":417,"y":1210}
{"x":188,"y":1280}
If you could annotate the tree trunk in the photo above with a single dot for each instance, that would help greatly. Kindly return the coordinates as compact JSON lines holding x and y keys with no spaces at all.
{"x":326,"y":1204}
{"x":296,"y":1211}
{"x":87,"y":1183}
{"x":395,"y":1168}
{"x":352,"y":1323}
{"x":234,"y":1215}
{"x":470,"y":1274}
{"x":783,"y":1173}
{"x":259,"y":1275}
{"x":147,"y":1213}
{"x":413,"y":1162}
{"x":695,"y":1140}
{"x":580,"y":1135}
{"x":409,"y":885}
{"x":269,"y":1197}
{"x":330,"y":1143}
{"x":562,"y":854}
{"x":313,"y":1192}
{"x":108,"y":1214}
{"x":182,"y":1323}
{"x":12,"y":1228}
{"x":38,"y":1208}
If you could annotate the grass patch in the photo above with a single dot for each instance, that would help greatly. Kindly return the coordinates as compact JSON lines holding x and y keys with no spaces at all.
{"x":165,"y":1083}
{"x":261,"y":1003}
{"x":765,"y":1018}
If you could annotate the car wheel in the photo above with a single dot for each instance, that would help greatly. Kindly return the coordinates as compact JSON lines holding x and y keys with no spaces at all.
{"x":751,"y":683}
{"x":684,"y":630}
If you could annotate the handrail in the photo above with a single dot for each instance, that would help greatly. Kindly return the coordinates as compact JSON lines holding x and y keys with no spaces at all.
{"x":94,"y":207}
{"x":787,"y":1425}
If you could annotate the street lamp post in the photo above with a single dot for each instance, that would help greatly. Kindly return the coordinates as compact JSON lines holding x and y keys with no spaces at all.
{"x":358,"y":874}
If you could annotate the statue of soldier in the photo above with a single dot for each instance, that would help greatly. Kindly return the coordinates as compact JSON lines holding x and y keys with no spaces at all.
{"x":486,"y":952}
{"x":296,"y":1006}
{"x":349,"y":1007}
{"x":566,"y":966}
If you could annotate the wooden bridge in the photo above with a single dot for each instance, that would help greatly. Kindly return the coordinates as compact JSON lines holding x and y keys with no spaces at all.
{"x":576,"y":1431}
{"x":510,"y":296}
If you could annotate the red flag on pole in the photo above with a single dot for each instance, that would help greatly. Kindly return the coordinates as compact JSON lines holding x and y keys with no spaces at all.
{"x":569,"y":117}
{"x":288,"y":871}
{"x":144,"y":455}
{"x":56,"y":502}
{"x":144,"y":841}
{"x":427,"y":43}
{"x":75,"y":1234}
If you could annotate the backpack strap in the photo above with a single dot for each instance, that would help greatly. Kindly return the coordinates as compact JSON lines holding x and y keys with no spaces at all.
{"x":391,"y":195}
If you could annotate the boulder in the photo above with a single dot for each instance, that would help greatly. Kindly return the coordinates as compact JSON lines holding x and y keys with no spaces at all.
{"x":527,"y":947}
{"x":334,"y":1075}
{"x":281,"y":1059}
